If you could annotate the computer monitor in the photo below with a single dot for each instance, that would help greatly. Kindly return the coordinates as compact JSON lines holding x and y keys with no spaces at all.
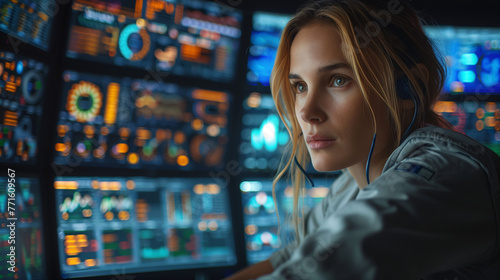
{"x":134,"y":123}
{"x":263,"y":235}
{"x":22,"y":88}
{"x":138,"y":225}
{"x":21,"y":228}
{"x":28,"y":21}
{"x":479,"y":120}
{"x":472,"y":56}
{"x":264,"y":41}
{"x":187,"y":38}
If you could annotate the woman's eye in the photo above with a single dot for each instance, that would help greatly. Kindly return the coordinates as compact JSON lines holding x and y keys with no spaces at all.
{"x":339,"y":81}
{"x":299,"y":87}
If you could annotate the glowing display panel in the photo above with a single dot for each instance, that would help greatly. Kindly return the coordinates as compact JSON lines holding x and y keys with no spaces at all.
{"x":472,"y":57}
{"x":28,"y":21}
{"x":263,"y":134}
{"x":266,"y":33}
{"x":137,"y":124}
{"x":22,"y":86}
{"x":260,"y":220}
{"x":186,"y":38}
{"x":21,"y":205}
{"x":479,"y":120}
{"x":147,"y":224}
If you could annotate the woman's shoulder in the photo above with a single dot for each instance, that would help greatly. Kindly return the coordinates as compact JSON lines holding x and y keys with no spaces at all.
{"x":441,"y":156}
{"x":432,"y":143}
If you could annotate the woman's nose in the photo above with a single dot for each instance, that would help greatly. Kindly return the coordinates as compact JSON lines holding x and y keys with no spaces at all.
{"x":311,"y":110}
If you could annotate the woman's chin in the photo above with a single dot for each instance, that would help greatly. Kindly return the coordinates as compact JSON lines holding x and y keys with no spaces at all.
{"x":322,"y":167}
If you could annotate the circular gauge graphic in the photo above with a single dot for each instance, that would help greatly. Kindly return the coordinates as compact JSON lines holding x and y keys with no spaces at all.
{"x":207,"y":150}
{"x":24,"y":127}
{"x":134,"y":42}
{"x":84,"y":101}
{"x":32,"y":86}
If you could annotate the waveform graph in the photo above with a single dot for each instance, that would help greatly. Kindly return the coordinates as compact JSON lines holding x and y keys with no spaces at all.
{"x":80,"y":249}
{"x":117,"y":246}
{"x":153,"y":245}
{"x":182,"y":243}
{"x":263,"y":135}
{"x":76,"y":205}
{"x":116,"y":206}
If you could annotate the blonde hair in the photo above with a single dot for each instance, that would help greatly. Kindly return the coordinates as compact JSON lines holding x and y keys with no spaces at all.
{"x":396,"y":44}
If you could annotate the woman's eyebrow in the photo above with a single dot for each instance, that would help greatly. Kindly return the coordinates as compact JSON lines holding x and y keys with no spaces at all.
{"x":322,"y":69}
{"x":334,"y":66}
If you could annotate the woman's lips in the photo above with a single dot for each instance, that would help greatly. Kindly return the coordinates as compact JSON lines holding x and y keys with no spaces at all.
{"x":320,"y":144}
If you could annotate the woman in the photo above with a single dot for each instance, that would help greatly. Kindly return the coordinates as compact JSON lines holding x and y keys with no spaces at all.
{"x":355,"y":83}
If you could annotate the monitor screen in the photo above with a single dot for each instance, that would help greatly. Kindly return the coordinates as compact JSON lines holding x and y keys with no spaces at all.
{"x":479,"y":120}
{"x":21,"y":91}
{"x":141,"y":225}
{"x":264,"y":41}
{"x":472,"y":57}
{"x":187,"y":38}
{"x":260,"y":220}
{"x":263,"y":135}
{"x":122,"y":122}
{"x":21,"y":232}
{"x":28,"y":21}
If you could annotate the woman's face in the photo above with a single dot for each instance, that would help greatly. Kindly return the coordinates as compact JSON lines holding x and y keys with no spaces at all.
{"x":336,"y":123}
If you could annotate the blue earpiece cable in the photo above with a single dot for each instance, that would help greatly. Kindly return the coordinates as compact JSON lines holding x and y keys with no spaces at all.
{"x":402,"y":139}
{"x":302,"y":169}
{"x":304,"y":172}
{"x":369,"y":158}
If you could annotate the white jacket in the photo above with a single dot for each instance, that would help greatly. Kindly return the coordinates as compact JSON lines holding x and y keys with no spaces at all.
{"x":434,"y":213}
